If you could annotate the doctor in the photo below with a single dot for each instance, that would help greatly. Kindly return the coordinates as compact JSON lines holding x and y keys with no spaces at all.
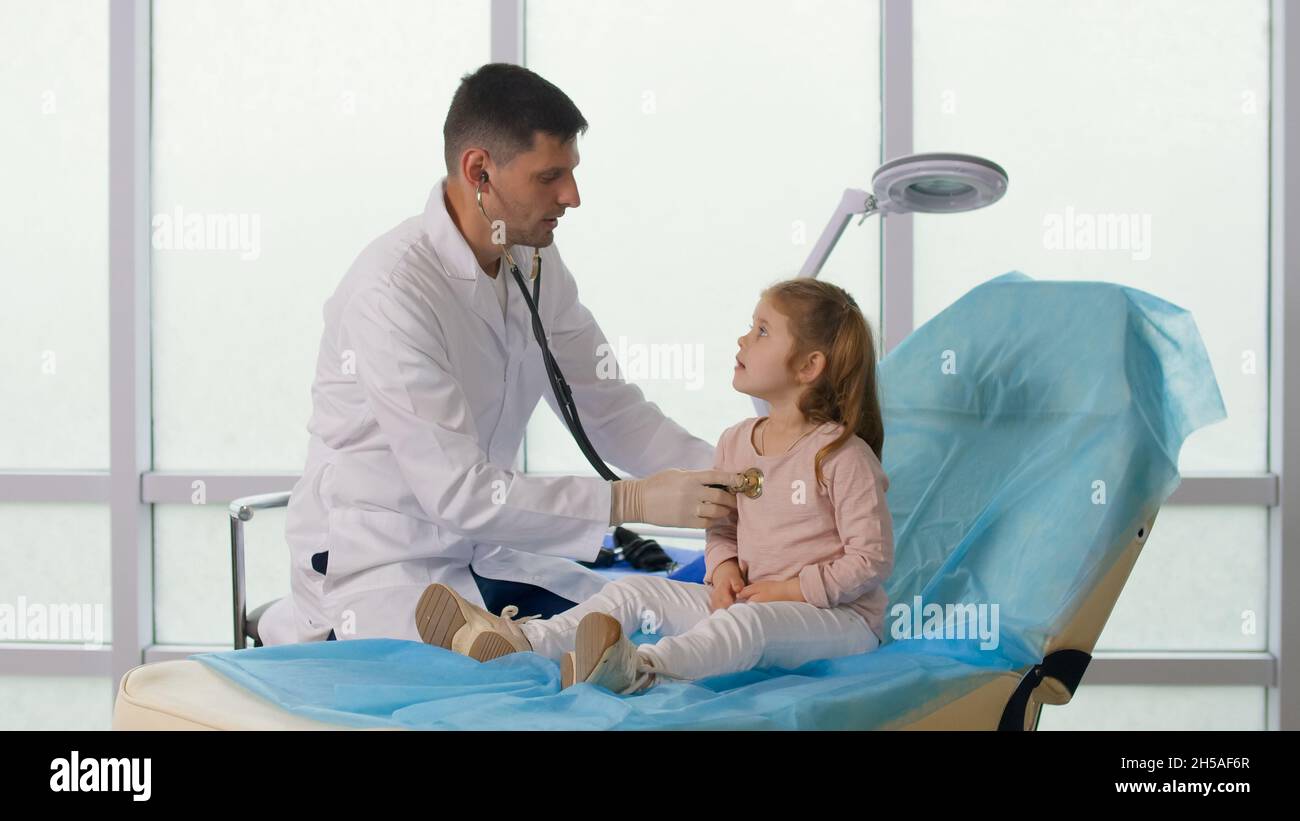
{"x":427,"y":374}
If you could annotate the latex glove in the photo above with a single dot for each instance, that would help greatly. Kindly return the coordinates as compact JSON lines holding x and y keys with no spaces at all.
{"x":674,"y":498}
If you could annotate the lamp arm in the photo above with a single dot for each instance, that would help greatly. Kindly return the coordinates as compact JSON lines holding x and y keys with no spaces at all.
{"x":854,"y":201}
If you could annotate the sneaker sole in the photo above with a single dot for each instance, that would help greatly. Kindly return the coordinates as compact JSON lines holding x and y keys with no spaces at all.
{"x":438,"y":616}
{"x":489,"y":646}
{"x":566,"y":671}
{"x":597,"y":633}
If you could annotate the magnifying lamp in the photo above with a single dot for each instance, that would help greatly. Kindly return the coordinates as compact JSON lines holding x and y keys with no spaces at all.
{"x":939,"y":183}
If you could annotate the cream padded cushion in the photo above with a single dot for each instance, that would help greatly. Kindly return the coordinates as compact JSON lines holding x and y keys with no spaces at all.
{"x":188,"y":695}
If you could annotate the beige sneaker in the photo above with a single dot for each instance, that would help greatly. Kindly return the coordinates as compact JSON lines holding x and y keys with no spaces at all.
{"x":445,"y":618}
{"x":603,"y":655}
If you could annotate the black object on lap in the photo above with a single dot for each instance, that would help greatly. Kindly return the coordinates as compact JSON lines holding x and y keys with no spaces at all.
{"x":640,"y":552}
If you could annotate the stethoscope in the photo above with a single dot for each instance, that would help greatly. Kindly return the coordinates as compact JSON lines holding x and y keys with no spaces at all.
{"x":751,"y":483}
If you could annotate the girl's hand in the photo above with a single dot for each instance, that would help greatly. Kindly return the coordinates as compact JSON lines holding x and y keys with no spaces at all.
{"x":727,"y":582}
{"x":787,"y":590}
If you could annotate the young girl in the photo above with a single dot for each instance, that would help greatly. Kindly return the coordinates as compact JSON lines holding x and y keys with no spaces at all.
{"x":792,"y":575}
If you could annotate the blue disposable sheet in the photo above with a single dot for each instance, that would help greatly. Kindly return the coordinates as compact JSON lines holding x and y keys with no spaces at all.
{"x":1031,"y":428}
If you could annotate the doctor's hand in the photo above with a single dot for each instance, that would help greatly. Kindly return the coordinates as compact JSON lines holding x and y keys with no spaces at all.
{"x":674,"y":498}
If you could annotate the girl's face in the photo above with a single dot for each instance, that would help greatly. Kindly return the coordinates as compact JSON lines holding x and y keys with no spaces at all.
{"x":760,"y":363}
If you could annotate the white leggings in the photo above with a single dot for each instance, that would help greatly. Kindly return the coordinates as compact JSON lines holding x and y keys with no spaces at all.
{"x":696,"y":643}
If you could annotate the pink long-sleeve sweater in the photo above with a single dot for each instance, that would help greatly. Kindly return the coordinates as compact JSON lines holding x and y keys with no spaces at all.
{"x":839,"y":541}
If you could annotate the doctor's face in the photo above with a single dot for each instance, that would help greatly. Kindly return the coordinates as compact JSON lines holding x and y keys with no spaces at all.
{"x":536,"y":188}
{"x":760,"y":363}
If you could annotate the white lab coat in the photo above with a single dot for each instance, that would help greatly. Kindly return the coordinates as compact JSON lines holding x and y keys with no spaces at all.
{"x":420,"y":401}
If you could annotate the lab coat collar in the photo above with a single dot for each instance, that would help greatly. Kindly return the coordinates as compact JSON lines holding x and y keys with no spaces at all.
{"x":458,"y":261}
{"x":453,"y":250}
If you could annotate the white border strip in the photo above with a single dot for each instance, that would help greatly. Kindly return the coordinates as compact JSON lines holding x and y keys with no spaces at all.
{"x":22,"y":659}
{"x":1248,"y":669}
{"x":508,"y":31}
{"x":1283,"y":708}
{"x":54,"y":486}
{"x":896,"y":109}
{"x":128,"y":330}
{"x":1246,"y":489}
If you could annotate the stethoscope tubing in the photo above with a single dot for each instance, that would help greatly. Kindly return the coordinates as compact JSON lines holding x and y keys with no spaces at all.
{"x":752,"y":484}
{"x":559,"y":386}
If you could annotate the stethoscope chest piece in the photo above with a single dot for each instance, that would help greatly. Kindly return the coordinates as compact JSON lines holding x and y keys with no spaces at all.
{"x":751,"y":483}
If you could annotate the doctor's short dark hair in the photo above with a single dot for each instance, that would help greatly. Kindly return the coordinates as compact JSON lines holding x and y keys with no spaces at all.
{"x":499,"y":108}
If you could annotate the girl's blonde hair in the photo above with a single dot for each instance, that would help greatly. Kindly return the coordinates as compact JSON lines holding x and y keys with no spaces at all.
{"x":824,"y":317}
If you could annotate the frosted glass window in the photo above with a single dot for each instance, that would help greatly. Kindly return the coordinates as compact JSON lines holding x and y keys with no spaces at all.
{"x":56,"y":702}
{"x":304,"y":130}
{"x":192,"y":584}
{"x":709,"y":169}
{"x":1150,"y":707}
{"x":54,"y":235}
{"x":54,"y":573}
{"x":1200,"y":584}
{"x":1136,"y":137}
